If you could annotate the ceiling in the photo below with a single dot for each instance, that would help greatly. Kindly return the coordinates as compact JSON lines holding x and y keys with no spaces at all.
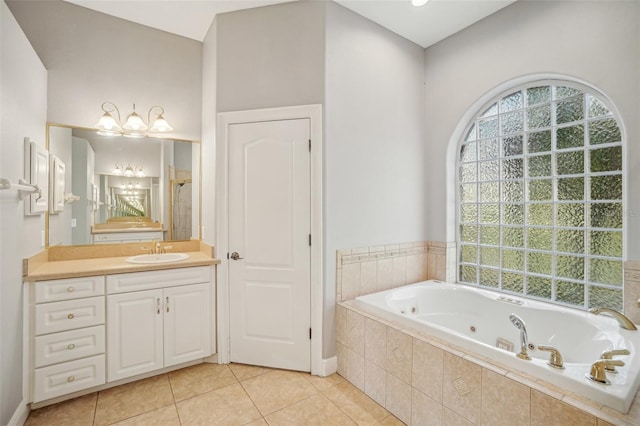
{"x":425,"y":25}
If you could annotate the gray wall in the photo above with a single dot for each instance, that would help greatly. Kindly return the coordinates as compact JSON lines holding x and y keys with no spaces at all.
{"x":208,"y":144}
{"x":23,"y":83}
{"x":374,"y":142}
{"x":60,"y":224}
{"x":596,"y":42}
{"x":93,"y":58}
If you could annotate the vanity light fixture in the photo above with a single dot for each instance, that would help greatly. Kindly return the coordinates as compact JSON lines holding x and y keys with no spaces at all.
{"x":117,"y":170}
{"x":128,"y":172}
{"x":418,"y":3}
{"x":134,"y":127}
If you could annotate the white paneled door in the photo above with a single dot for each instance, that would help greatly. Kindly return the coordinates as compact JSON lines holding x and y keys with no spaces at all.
{"x":269,"y":243}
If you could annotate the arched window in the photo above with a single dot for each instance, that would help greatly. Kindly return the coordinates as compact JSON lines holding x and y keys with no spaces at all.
{"x":540,"y":197}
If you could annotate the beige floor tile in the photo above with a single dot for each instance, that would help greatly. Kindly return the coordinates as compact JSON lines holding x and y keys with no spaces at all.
{"x":278,"y":389}
{"x":199,"y":379}
{"x":260,"y":422}
{"x":324,"y":383}
{"x":391,"y":421}
{"x":244,"y":371}
{"x":74,"y":412}
{"x":165,"y":416}
{"x":358,"y":406}
{"x":132,"y":399}
{"x":226,"y":406}
{"x":315,"y":410}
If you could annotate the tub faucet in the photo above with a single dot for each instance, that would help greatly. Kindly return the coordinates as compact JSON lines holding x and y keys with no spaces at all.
{"x":524,"y":339}
{"x":598,"y":370}
{"x":622,"y":320}
{"x":609,"y":354}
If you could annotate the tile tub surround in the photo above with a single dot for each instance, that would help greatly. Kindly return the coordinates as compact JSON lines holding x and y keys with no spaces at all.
{"x":367,"y":270}
{"x":424,"y":381}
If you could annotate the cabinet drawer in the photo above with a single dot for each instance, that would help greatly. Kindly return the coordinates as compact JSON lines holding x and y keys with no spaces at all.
{"x":72,"y":288}
{"x":69,"y":315}
{"x":136,"y":281}
{"x":72,"y":376}
{"x":69,"y":345}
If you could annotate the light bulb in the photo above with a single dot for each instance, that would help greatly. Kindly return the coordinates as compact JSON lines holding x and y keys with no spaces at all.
{"x":418,"y":3}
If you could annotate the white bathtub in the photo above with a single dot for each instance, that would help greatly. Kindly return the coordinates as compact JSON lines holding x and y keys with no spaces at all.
{"x":474,"y":319}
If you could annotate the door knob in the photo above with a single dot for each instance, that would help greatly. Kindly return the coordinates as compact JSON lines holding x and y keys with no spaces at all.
{"x":235,"y":256}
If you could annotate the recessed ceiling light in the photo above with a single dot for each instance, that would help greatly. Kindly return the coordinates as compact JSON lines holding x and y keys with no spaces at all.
{"x":417,"y":3}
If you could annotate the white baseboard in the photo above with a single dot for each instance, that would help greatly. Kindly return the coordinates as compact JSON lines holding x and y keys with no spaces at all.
{"x":329,"y":366}
{"x":20,"y":415}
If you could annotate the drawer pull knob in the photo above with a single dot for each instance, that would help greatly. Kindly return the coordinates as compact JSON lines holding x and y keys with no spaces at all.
{"x":71,"y":346}
{"x":70,"y":289}
{"x":70,"y":379}
{"x":71,"y":316}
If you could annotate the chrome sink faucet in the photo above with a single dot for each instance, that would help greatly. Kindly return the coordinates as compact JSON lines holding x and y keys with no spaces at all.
{"x":621,"y":318}
{"x":524,"y":339}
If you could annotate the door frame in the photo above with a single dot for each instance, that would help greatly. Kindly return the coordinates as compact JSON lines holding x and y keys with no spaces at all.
{"x":224,"y":120}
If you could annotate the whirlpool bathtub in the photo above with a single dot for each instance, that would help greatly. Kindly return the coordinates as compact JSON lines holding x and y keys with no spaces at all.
{"x":477,"y":321}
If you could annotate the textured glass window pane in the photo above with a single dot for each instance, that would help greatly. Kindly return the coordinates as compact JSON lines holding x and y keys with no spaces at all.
{"x":569,"y":163}
{"x":570,"y":240}
{"x":606,"y":187}
{"x":512,"y":191}
{"x":596,"y":108}
{"x":511,"y":102}
{"x":570,"y":110}
{"x":570,"y":215}
{"x":492,"y":110}
{"x":489,"y":170}
{"x":468,"y":152}
{"x":469,"y":233}
{"x":604,"y":131}
{"x":539,"y":141}
{"x":605,"y":271}
{"x":469,"y":172}
{"x":488,"y":149}
{"x":536,"y":95}
{"x":570,"y":267}
{"x":539,"y":263}
{"x":489,"y":277}
{"x":490,"y":235}
{"x":512,"y":145}
{"x":570,"y":137}
{"x":540,"y":190}
{"x":540,"y":165}
{"x":512,"y":282}
{"x":490,"y":213}
{"x":489,"y":256}
{"x":606,"y":215}
{"x":512,"y":122}
{"x":513,"y":259}
{"x":490,"y":192}
{"x":539,"y":238}
{"x":512,"y":236}
{"x":565,"y":92}
{"x":571,"y":293}
{"x":468,"y":254}
{"x":606,"y":159}
{"x":471,"y":134}
{"x":469,"y":213}
{"x":469,"y":193}
{"x":540,"y":214}
{"x":488,"y":128}
{"x":539,"y":287}
{"x":571,"y":189}
{"x":468,"y":274}
{"x":606,"y":243}
{"x":605,"y":298}
{"x":513,"y":214}
{"x":539,"y":117}
{"x":512,"y":169}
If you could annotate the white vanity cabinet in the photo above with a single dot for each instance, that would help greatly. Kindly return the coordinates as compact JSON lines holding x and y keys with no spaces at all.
{"x":68,"y":336}
{"x":157,"y":319}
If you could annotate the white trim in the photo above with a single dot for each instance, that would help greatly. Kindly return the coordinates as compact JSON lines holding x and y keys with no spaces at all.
{"x":20,"y":415}
{"x":225,"y":119}
{"x":329,"y":366}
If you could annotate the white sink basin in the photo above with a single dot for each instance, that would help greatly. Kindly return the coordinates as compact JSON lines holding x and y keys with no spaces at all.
{"x":158,"y":258}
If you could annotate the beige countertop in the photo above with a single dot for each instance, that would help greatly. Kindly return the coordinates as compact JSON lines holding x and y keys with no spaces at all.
{"x":82,"y":261}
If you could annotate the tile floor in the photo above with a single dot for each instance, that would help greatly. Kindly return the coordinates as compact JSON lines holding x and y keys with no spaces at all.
{"x":212,"y":394}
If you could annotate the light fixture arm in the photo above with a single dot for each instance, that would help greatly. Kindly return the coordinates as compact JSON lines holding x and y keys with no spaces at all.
{"x":151,"y":109}
{"x":115,"y":108}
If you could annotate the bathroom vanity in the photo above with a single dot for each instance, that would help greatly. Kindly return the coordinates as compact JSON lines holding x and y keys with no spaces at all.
{"x":98,"y":322}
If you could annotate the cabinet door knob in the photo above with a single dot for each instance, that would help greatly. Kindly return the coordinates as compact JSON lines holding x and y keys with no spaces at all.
{"x":71,"y":346}
{"x":167,"y":303}
{"x":70,"y":379}
{"x":70,"y":289}
{"x":71,"y":316}
{"x":158,"y":306}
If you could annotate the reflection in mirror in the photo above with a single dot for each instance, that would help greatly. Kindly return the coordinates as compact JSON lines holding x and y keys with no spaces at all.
{"x":130,"y":189}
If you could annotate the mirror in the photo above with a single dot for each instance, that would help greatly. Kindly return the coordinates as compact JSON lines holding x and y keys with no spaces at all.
{"x":128,"y":189}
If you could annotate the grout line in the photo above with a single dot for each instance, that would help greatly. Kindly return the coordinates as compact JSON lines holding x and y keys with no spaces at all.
{"x":95,"y":409}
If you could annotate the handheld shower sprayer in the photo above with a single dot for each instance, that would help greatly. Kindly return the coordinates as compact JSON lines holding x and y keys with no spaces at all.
{"x":524,"y":339}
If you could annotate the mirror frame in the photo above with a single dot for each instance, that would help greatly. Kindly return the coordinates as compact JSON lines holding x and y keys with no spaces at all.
{"x":195,"y":142}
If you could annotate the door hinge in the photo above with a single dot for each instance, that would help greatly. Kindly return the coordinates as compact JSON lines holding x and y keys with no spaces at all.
{"x":309,"y":333}
{"x":309,"y":240}
{"x":309,"y":145}
{"x":227,"y":255}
